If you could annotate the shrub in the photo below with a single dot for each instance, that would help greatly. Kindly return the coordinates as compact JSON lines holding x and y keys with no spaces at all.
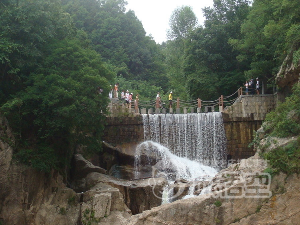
{"x":284,"y":121}
{"x":285,"y":159}
{"x":42,"y":158}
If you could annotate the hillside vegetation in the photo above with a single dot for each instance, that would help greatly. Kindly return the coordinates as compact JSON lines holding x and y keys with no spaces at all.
{"x":283,"y":122}
{"x":56,"y":55}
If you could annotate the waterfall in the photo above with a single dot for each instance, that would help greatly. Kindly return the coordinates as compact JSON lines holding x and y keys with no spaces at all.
{"x":165,"y":163}
{"x":196,"y":136}
{"x":181,"y":147}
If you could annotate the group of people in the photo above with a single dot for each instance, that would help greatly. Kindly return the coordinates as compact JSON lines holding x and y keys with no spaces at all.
{"x":158,"y":100}
{"x":114,"y":91}
{"x":252,"y":86}
{"x":128,"y":97}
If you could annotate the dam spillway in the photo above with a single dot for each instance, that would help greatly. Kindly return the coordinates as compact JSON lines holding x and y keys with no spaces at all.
{"x":196,"y":136}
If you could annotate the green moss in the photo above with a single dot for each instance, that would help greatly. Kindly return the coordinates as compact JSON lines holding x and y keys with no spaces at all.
{"x":218,"y":203}
{"x":89,"y":217}
{"x":236,"y":220}
{"x":42,"y":158}
{"x":62,"y":211}
{"x":258,"y":208}
{"x":217,"y":220}
{"x":279,"y":189}
{"x":72,"y":200}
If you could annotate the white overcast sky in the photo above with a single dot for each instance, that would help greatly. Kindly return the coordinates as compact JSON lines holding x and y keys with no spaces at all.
{"x":155,"y":14}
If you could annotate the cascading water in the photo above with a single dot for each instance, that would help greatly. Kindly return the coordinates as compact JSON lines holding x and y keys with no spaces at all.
{"x":174,"y":168}
{"x":169,"y":165}
{"x":182,"y":146}
{"x":197,"y":136}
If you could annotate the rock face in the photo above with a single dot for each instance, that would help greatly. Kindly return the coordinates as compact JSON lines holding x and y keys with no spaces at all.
{"x":113,"y":155}
{"x":29,"y":197}
{"x":81,"y":168}
{"x":213,"y":208}
{"x":281,"y":207}
{"x":288,"y":74}
{"x":138,"y":195}
{"x":6,"y":152}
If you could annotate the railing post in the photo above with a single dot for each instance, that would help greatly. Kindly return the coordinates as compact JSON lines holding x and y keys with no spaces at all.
{"x":178,"y":106}
{"x":136,"y":105}
{"x":199,"y":102}
{"x":157,"y":103}
{"x":199,"y":105}
{"x":221,"y":105}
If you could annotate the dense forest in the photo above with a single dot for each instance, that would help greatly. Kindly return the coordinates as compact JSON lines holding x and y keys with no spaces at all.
{"x":56,"y":55}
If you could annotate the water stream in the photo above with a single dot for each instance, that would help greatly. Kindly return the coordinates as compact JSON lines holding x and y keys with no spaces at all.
{"x":189,"y":147}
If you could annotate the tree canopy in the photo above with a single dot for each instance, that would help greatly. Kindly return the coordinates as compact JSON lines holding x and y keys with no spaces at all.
{"x":56,"y":55}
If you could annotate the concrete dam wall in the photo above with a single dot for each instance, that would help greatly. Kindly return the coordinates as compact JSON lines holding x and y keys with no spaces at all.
{"x":241,"y":120}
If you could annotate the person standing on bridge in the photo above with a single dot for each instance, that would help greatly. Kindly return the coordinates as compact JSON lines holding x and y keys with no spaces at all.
{"x":123,"y":96}
{"x":130,"y":100}
{"x":127,"y":98}
{"x":170,"y":99}
{"x":116,"y":90}
{"x":252,"y":86}
{"x":247,"y":87}
{"x":110,"y":94}
{"x":257,"y":86}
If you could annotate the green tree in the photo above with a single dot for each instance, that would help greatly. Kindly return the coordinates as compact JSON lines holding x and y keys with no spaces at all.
{"x":211,"y":67}
{"x":61,"y":107}
{"x":25,"y":29}
{"x":50,"y":83}
{"x":182,"y":21}
{"x":120,"y":39}
{"x":268,"y":34}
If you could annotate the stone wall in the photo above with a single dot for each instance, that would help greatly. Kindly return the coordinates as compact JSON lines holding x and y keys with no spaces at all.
{"x":251,"y":106}
{"x":242,"y":119}
{"x":239,"y":133}
{"x":124,"y":133}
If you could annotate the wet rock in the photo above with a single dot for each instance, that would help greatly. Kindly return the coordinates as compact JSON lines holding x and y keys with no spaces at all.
{"x":112,"y":155}
{"x":80,"y":169}
{"x":139,"y":195}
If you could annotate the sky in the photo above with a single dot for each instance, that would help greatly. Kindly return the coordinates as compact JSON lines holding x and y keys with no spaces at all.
{"x":155,"y":14}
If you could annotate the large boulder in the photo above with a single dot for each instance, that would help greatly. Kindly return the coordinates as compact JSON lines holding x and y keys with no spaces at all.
{"x":112,"y":155}
{"x":80,"y":169}
{"x":139,"y":195}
